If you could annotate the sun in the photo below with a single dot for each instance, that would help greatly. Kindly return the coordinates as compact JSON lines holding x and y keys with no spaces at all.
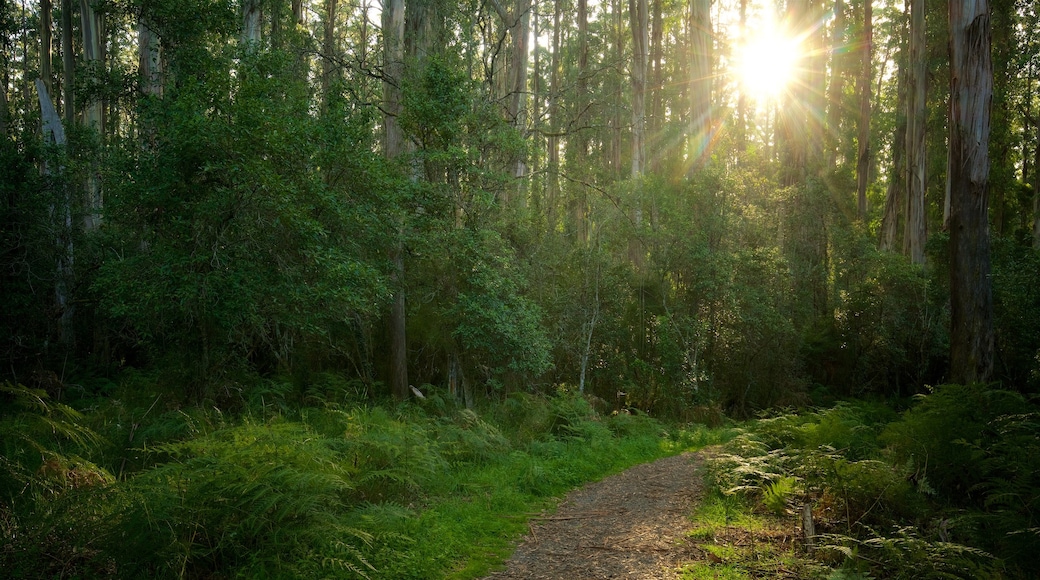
{"x":766,"y":64}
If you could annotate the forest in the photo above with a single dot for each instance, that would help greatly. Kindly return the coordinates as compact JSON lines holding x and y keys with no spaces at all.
{"x":348,"y":288}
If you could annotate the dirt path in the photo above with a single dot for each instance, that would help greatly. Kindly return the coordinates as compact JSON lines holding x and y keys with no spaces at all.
{"x":630,"y":525}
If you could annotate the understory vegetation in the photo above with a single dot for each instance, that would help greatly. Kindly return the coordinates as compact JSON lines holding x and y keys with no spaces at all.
{"x":295,"y":484}
{"x":949,"y":488}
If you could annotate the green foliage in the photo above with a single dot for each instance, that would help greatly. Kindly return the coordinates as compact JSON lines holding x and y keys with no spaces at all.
{"x":225,"y":248}
{"x":332,"y":490}
{"x":954,"y":477}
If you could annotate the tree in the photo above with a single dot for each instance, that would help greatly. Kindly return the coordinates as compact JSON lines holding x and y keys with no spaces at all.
{"x":701,"y":43}
{"x":916,"y":152}
{"x":866,"y":74}
{"x":897,"y":179}
{"x":836,"y":89}
{"x":394,"y":147}
{"x":971,"y":92}
{"x":91,"y":27}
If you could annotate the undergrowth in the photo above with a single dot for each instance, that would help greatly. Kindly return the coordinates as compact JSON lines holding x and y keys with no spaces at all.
{"x":295,"y":485}
{"x":947,"y":489}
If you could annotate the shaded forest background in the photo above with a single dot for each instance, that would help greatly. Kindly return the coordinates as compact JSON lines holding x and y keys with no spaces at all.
{"x":489,"y":197}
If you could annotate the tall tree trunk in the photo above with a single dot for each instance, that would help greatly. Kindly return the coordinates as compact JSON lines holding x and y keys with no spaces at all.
{"x":46,"y":52}
{"x":897,"y":180}
{"x":581,"y":139}
{"x":700,"y":83}
{"x":655,"y":120}
{"x":68,"y":58}
{"x":149,"y":59}
{"x":640,"y":39}
{"x":518,"y":72}
{"x":251,"y":23}
{"x":394,"y":147}
{"x":329,"y":66}
{"x":619,"y":52}
{"x":92,"y":29}
{"x":742,"y":98}
{"x":917,"y":155}
{"x":54,"y":133}
{"x":553,"y":142}
{"x":1036,"y":187}
{"x":791,"y":122}
{"x":638,"y":20}
{"x":971,"y":93}
{"x":815,"y":93}
{"x":863,"y":160}
{"x":836,"y":89}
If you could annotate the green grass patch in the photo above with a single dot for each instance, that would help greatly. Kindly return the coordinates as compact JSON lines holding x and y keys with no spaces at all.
{"x":301,"y":489}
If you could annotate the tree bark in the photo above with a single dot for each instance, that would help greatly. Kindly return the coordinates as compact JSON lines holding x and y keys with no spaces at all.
{"x":328,"y":51}
{"x":971,"y":93}
{"x":1036,"y":188}
{"x":46,"y":51}
{"x":394,"y":147}
{"x":251,"y":24}
{"x":92,"y":27}
{"x":638,"y":20}
{"x":700,"y":83}
{"x":654,"y":119}
{"x":916,"y":231}
{"x":897,"y":181}
{"x":863,"y":160}
{"x":553,"y":157}
{"x":149,"y":59}
{"x":68,"y":58}
{"x":54,"y":133}
{"x":742,"y":97}
{"x":836,"y":89}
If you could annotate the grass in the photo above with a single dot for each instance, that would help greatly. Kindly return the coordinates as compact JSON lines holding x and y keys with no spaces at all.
{"x":733,"y":539}
{"x":319,"y":487}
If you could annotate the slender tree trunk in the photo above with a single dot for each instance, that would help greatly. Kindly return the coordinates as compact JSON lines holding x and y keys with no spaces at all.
{"x":149,"y":59}
{"x":619,"y":52}
{"x":916,"y":217}
{"x":68,"y":58}
{"x":947,"y":194}
{"x":792,"y":124}
{"x":92,"y":29}
{"x":1036,"y":188}
{"x":46,"y":52}
{"x":251,"y":23}
{"x":897,"y":181}
{"x":742,"y":98}
{"x":394,"y":147}
{"x":553,"y":157}
{"x":640,"y":39}
{"x":863,"y":162}
{"x":655,"y":120}
{"x":836,"y":89}
{"x":5,"y":82}
{"x":638,"y":19}
{"x":700,"y":83}
{"x":815,"y":93}
{"x":54,"y":133}
{"x":581,"y":140}
{"x":971,"y":93}
{"x":518,"y":70}
{"x":329,"y":65}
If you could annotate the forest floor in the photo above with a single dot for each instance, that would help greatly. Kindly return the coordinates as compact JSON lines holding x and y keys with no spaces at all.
{"x":656,"y":521}
{"x":630,"y":525}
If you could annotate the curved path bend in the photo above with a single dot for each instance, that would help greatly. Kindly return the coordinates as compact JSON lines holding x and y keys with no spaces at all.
{"x":630,"y":525}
